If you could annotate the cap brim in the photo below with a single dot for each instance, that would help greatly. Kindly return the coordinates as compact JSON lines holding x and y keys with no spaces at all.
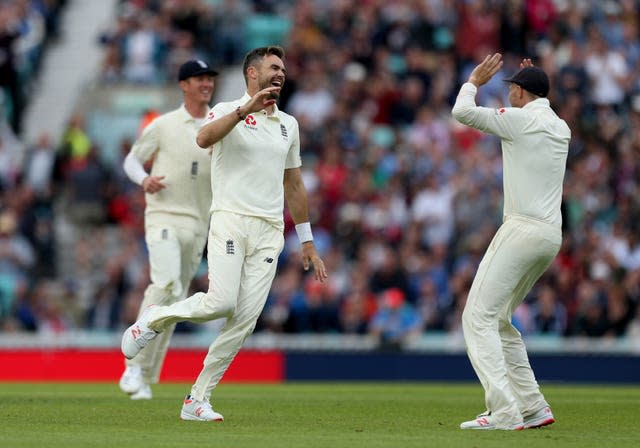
{"x":203,"y":72}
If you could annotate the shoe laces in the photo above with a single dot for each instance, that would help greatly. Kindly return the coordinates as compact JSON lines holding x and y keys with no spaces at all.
{"x":195,"y":402}
{"x":145,"y":336}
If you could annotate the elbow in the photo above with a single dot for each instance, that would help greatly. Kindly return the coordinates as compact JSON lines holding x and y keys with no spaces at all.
{"x":461,"y":114}
{"x":456,"y":112}
{"x":202,"y":141}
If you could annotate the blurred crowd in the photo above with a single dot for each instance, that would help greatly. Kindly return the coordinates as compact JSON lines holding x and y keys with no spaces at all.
{"x":404,"y":200}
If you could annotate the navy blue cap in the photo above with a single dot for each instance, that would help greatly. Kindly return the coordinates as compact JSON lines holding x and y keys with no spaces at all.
{"x":532,"y":79}
{"x":195,"y":67}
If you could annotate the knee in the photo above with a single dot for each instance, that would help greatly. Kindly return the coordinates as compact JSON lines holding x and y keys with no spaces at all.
{"x":467,"y":319}
{"x":475,"y":320}
{"x":171,"y":287}
{"x":219,"y":306}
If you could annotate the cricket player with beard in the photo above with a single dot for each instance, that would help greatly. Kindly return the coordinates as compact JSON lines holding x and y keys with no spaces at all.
{"x":535,"y":144}
{"x":178,"y":196}
{"x":255,"y":166}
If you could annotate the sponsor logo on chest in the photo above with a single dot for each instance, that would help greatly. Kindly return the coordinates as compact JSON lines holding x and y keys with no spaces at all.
{"x":251,"y":123}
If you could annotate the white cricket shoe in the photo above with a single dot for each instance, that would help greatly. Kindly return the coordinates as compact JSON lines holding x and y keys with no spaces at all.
{"x":485,"y":421}
{"x":137,"y":336}
{"x":144,"y":393}
{"x":199,"y":410}
{"x":131,"y":380}
{"x":538,"y":419}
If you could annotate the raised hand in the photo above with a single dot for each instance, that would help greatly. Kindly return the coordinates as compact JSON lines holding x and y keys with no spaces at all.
{"x":261,"y":100}
{"x":526,"y":62}
{"x":486,"y":69}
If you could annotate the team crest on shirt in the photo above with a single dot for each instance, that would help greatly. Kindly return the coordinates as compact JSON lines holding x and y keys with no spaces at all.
{"x":501,"y":111}
{"x":283,"y":132}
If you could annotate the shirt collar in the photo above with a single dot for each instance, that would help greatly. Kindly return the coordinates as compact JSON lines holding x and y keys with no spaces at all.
{"x":538,"y":102}
{"x":185,"y":115}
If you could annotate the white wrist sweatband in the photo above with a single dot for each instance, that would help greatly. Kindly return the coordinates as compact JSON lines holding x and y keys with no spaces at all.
{"x":304,"y":232}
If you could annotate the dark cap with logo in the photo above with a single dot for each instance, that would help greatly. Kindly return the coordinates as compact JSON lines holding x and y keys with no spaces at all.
{"x":195,"y":67}
{"x":532,"y":79}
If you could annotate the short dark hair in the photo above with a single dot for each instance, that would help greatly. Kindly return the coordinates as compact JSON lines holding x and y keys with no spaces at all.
{"x":258,"y":54}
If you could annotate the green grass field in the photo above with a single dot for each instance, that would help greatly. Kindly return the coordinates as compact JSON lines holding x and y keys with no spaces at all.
{"x":306,"y":415}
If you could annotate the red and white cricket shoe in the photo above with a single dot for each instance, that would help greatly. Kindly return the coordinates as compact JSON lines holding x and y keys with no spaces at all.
{"x":486,"y":421}
{"x":538,"y":419}
{"x":199,"y":410}
{"x":137,"y":336}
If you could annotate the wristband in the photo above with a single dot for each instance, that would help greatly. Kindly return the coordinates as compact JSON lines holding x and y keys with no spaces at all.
{"x":304,"y":232}
{"x":240,"y":117}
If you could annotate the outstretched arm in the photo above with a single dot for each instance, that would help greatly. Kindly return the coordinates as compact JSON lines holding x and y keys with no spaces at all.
{"x":296,"y":196}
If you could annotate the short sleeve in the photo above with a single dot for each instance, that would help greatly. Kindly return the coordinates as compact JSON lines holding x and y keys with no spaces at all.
{"x":293,"y":156}
{"x":147,"y":144}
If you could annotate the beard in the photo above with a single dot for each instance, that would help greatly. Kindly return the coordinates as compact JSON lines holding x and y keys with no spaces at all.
{"x":267,"y":83}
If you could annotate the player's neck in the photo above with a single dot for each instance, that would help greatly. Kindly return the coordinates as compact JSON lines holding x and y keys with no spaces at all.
{"x":196,"y":110}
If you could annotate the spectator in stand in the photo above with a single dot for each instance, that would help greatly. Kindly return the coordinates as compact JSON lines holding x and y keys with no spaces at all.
{"x":9,"y":73}
{"x":396,"y":322}
{"x":88,"y":185}
{"x":315,"y":310}
{"x":312,"y":102}
{"x":16,"y":252}
{"x":54,"y":308}
{"x":619,"y":311}
{"x":225,"y":45}
{"x":142,"y":51}
{"x":607,"y":70}
{"x":39,"y":167}
{"x":590,"y":319}
{"x":358,"y":304}
{"x":548,"y":314}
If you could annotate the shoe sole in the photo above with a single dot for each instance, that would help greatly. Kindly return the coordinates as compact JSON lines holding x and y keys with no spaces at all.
{"x":492,"y":428}
{"x":186,"y":416}
{"x":544,"y":422}
{"x":129,"y":390}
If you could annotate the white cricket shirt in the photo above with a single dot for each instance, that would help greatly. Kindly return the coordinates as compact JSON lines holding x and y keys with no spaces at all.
{"x":535,"y":144}
{"x":185,"y":201}
{"x":247,"y":165}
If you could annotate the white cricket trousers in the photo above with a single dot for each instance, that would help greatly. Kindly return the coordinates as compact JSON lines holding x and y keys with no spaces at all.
{"x":174,"y":256}
{"x":243,"y":255}
{"x":520,"y":252}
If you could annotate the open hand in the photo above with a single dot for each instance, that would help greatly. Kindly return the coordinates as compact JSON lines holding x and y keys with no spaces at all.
{"x":486,"y":69}
{"x":262,"y":100}
{"x":526,"y":62}
{"x":311,"y":257}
